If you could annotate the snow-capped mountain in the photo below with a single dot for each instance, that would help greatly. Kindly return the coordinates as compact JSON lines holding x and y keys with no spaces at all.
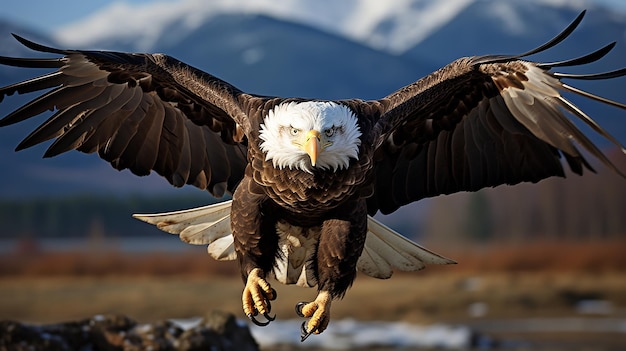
{"x":506,"y":27}
{"x":393,"y":25}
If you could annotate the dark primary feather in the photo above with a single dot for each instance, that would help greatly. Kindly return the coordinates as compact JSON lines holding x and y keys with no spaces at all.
{"x":138,"y":111}
{"x":582,"y":60}
{"x":484,"y":121}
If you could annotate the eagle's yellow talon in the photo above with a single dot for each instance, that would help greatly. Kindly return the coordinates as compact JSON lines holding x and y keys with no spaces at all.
{"x":318,"y":313}
{"x":256,"y":298}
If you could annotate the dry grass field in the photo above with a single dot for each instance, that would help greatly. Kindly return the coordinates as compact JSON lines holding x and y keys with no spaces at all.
{"x":489,"y":284}
{"x":421,"y":298}
{"x":532,"y":280}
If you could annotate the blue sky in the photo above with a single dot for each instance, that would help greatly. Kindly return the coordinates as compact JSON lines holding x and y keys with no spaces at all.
{"x":52,"y":14}
{"x":48,"y":15}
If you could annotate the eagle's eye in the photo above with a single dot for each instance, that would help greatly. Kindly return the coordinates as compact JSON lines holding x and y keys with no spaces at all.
{"x":294,"y":131}
{"x":329,"y":132}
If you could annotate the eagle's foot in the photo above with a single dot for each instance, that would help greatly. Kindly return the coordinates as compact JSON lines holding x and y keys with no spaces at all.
{"x":318,"y":313}
{"x":256,"y":298}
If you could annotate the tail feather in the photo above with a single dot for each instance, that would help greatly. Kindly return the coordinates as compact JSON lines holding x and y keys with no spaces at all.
{"x":208,"y":225}
{"x":374,"y":265}
{"x":384,"y":251}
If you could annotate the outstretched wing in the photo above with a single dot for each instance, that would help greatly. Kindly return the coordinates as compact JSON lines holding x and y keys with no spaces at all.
{"x":141,"y":112}
{"x":483,"y":121}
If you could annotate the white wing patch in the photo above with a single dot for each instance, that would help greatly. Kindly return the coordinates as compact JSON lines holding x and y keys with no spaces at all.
{"x":385,"y":249}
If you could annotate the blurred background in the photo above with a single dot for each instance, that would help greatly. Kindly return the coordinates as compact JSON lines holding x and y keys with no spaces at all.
{"x":548,"y":253}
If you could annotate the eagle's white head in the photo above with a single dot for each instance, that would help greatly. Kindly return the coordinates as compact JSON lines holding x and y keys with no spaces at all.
{"x":311,"y":134}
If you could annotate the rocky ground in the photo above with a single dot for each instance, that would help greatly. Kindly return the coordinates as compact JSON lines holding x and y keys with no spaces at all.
{"x":217,"y":331}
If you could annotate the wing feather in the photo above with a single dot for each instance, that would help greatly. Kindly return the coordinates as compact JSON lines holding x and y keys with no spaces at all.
{"x":141,"y":112}
{"x":87,"y":122}
{"x":485,"y":121}
{"x":115,"y":148}
{"x":66,"y":115}
{"x":200,"y":169}
{"x":170,"y":149}
{"x":218,"y":163}
{"x":108,"y":127}
{"x":183,"y":160}
{"x":144,"y":146}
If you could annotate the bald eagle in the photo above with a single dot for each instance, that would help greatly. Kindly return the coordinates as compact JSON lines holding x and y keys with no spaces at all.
{"x":306,"y":175}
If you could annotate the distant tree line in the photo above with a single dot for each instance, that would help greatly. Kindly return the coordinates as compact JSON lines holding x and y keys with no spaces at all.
{"x":587,"y":208}
{"x":76,"y":216}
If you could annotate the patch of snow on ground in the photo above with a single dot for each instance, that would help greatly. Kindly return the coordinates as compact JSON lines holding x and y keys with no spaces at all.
{"x":348,"y":334}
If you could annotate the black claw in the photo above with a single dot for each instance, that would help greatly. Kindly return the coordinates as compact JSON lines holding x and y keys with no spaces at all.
{"x":304,"y":333}
{"x":274,"y":294}
{"x":261,"y":324}
{"x":299,"y":306}
{"x":269,"y":305}
{"x":268,"y":317}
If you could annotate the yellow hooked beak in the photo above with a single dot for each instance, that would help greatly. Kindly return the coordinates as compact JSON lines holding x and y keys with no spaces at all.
{"x":312,"y":145}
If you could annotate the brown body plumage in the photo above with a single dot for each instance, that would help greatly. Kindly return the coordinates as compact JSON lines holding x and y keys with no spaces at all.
{"x":477,"y":122}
